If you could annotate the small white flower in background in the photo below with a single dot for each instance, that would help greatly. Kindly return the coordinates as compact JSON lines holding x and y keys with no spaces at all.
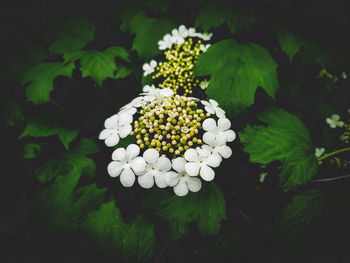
{"x":213,"y":108}
{"x":156,"y":169}
{"x":192,"y":32}
{"x":262,"y":177}
{"x":167,"y":42}
{"x":319,"y":152}
{"x":149,"y":68}
{"x":116,"y":127}
{"x":180,"y":180}
{"x":200,"y":162}
{"x":126,"y":163}
{"x":344,"y":75}
{"x":217,"y":146}
{"x":205,"y":36}
{"x":221,"y":130}
{"x":334,"y":121}
{"x":205,"y":47}
{"x":180,"y":34}
{"x":343,"y":137}
{"x":204,"y":84}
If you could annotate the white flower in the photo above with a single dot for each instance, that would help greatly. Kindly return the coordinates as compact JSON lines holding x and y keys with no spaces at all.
{"x":156,"y":169}
{"x":334,"y":121}
{"x":319,"y":152}
{"x":192,"y":32}
{"x":344,"y":75}
{"x":118,"y":126}
{"x":149,"y":68}
{"x":180,"y":180}
{"x":204,"y":84}
{"x":205,"y":36}
{"x":167,"y":42}
{"x":213,"y":107}
{"x":126,"y":164}
{"x":136,"y":103}
{"x":217,"y":146}
{"x":151,"y":92}
{"x":180,"y":34}
{"x":221,"y":130}
{"x":205,"y":47}
{"x":128,"y":110}
{"x":200,"y":162}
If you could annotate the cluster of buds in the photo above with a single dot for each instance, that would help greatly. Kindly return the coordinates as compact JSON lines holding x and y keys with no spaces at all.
{"x":177,"y":139}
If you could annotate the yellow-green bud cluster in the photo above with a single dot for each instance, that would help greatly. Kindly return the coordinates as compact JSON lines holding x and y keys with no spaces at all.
{"x":171,"y":125}
{"x":177,"y":72}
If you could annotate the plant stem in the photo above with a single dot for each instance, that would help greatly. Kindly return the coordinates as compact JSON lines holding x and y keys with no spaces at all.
{"x":330,"y":179}
{"x":333,"y":153}
{"x":162,"y":251}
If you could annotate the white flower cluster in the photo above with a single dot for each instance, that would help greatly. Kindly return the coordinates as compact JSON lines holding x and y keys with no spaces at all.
{"x":179,"y":35}
{"x":182,"y":171}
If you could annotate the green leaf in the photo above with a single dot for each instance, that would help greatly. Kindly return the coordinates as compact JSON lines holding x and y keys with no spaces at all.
{"x":236,"y":71}
{"x":40,"y":128}
{"x":107,"y":229}
{"x":148,"y":32}
{"x":206,"y":207}
{"x":71,"y":34}
{"x":63,"y":204}
{"x":100,"y":65}
{"x":31,"y":150}
{"x":214,"y":14}
{"x":289,"y":41}
{"x":41,"y":78}
{"x":76,"y":158}
{"x":300,"y":213}
{"x":285,"y":139}
{"x":161,"y":5}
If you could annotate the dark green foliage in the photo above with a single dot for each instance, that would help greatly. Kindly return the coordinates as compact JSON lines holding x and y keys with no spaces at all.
{"x":285,"y":139}
{"x":236,"y":71}
{"x":207,"y":207}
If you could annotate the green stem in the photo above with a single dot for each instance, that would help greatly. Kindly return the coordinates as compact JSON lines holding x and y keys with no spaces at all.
{"x":333,"y":153}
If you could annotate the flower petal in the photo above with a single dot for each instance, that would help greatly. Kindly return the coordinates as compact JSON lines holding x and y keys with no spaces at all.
{"x":127,"y":178}
{"x":132,"y":151}
{"x":220,"y":113}
{"x":125,"y":130}
{"x":207,"y":173}
{"x":214,"y":103}
{"x":105,"y":133}
{"x":179,"y":164}
{"x":191,"y":155}
{"x":172,"y":178}
{"x":224,"y":124}
{"x":112,"y":140}
{"x":163,"y":164}
{"x":192,"y":168}
{"x":124,"y":118}
{"x":209,"y":109}
{"x":194,"y":184}
{"x":209,"y":138}
{"x":151,"y":156}
{"x":138,"y":165}
{"x":146,"y":180}
{"x":181,"y":188}
{"x":119,"y":154}
{"x":159,"y":177}
{"x":230,"y":135}
{"x":224,"y":151}
{"x":203,"y":153}
{"x":205,"y":103}
{"x":112,"y":121}
{"x":115,"y":168}
{"x":213,"y":160}
{"x":209,"y":125}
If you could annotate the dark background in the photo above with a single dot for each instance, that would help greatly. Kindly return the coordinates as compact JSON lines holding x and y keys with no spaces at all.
{"x":22,"y":240}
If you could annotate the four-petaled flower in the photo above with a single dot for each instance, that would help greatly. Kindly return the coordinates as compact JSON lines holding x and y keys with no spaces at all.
{"x":116,"y":127}
{"x":180,"y":180}
{"x":149,"y":68}
{"x":213,"y":107}
{"x":319,"y":152}
{"x":200,"y":162}
{"x":180,"y":34}
{"x":167,"y":42}
{"x":334,"y":121}
{"x":217,"y":145}
{"x":126,"y":163}
{"x":156,"y":169}
{"x":151,"y":92}
{"x":204,"y":84}
{"x":221,"y":130}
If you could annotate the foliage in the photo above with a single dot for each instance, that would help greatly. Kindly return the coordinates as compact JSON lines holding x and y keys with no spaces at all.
{"x":237,"y":70}
{"x":286,"y":139}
